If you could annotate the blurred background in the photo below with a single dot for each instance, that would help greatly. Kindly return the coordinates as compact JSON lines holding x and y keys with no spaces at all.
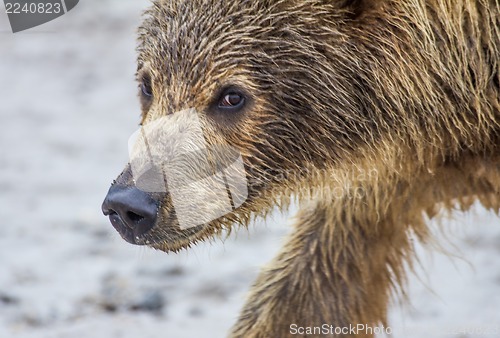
{"x":68,"y":103}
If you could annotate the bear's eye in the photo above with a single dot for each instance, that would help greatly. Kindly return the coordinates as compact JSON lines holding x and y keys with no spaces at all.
{"x":146,"y":87}
{"x":232,"y":100}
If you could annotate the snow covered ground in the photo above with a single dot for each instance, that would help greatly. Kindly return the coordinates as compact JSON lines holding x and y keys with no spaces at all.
{"x":67,"y":107}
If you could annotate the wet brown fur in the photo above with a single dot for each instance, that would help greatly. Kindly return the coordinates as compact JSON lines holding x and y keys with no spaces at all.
{"x":394,"y":102}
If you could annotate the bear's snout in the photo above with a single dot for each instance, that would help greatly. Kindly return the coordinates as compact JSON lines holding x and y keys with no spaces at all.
{"x":132,"y":212}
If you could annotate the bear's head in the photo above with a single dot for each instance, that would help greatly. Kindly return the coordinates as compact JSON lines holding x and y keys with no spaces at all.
{"x":244,"y":105}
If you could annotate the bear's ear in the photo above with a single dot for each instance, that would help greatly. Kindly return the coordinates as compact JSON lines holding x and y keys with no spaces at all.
{"x":356,"y":8}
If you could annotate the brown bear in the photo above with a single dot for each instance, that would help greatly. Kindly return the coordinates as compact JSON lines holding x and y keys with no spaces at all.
{"x":372,"y":115}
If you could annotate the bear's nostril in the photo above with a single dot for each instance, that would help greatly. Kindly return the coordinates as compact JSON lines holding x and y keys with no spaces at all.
{"x":131,"y":211}
{"x":135,"y":218}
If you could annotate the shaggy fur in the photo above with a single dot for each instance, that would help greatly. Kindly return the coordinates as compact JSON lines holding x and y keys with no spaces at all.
{"x":374,"y":115}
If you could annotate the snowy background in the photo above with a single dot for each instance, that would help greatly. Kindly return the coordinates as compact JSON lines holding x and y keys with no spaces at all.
{"x":67,"y":107}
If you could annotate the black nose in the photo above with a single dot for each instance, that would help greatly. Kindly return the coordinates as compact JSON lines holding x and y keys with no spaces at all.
{"x":131,"y":211}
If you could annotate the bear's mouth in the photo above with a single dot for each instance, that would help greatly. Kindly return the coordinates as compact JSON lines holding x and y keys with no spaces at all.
{"x":185,"y":239}
{"x":175,"y":240}
{"x":149,"y":219}
{"x":165,"y":236}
